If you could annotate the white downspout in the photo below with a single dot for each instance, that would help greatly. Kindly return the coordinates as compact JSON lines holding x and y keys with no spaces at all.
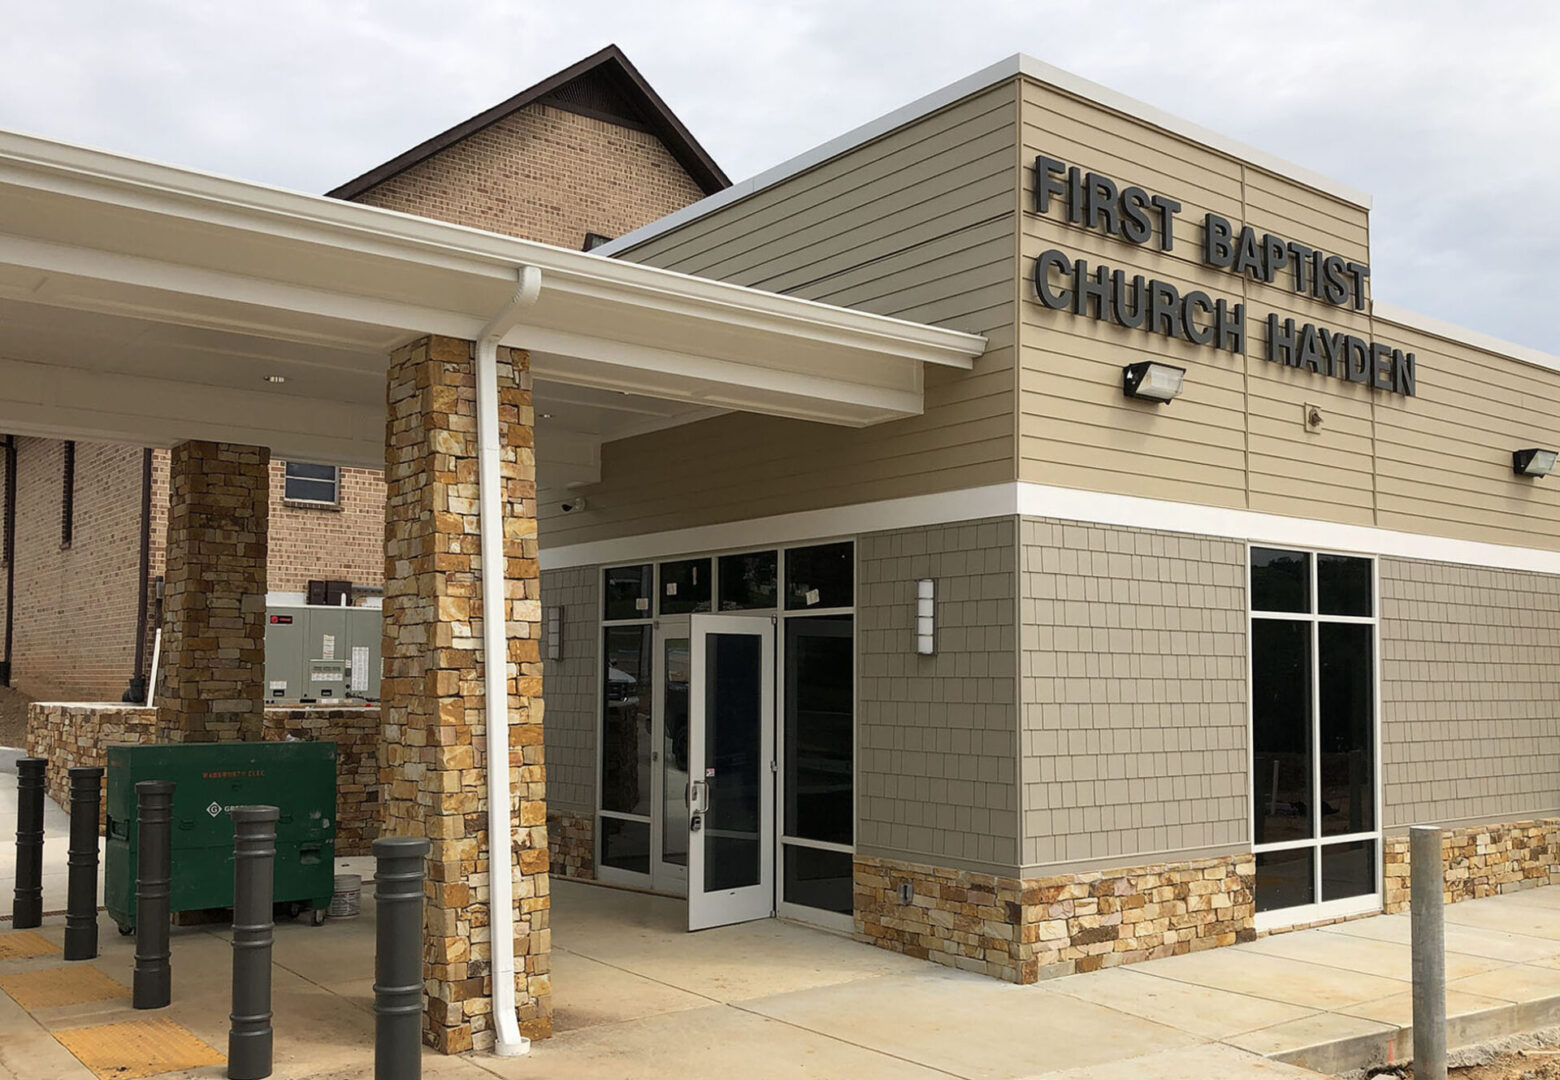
{"x":508,"y":1042}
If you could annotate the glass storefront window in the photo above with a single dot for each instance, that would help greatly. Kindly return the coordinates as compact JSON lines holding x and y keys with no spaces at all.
{"x":685,"y":587}
{"x":627,"y":590}
{"x":1281,"y":729}
{"x":1343,"y":585}
{"x":817,"y":878}
{"x":1313,"y":728}
{"x":626,"y":720}
{"x":1346,"y":665}
{"x":747,"y":581}
{"x":819,"y":729}
{"x":820,"y":577}
{"x":1280,"y":580}
{"x":625,"y":845}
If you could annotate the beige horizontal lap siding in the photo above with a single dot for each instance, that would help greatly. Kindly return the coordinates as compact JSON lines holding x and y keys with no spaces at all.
{"x":919,"y":224}
{"x":1437,"y":463}
{"x":1443,"y":461}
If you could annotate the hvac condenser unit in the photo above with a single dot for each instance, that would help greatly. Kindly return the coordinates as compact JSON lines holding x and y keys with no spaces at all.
{"x":321,"y":655}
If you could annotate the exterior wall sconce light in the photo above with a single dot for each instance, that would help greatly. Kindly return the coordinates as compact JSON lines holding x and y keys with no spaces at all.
{"x":555,"y":633}
{"x":1533,"y":463}
{"x":1151,"y":381}
{"x":925,"y":630}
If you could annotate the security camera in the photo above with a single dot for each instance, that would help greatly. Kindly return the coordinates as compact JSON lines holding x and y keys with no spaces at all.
{"x":569,"y":506}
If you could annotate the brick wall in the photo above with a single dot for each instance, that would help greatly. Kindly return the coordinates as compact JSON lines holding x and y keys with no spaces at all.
{"x":1470,"y":727}
{"x":1134,"y":693}
{"x":344,"y":542}
{"x":936,"y":735}
{"x":545,"y":174}
{"x":75,"y":621}
{"x":571,"y":688}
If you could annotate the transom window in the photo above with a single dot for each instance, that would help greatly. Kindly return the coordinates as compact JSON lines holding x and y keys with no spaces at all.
{"x":1313,"y":726}
{"x":312,"y":483}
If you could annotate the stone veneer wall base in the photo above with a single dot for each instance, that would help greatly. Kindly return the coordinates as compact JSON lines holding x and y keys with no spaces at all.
{"x":1024,"y":930}
{"x":571,"y":844}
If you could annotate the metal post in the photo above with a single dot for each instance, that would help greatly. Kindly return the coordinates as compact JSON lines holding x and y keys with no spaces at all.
{"x":153,"y":889}
{"x":398,"y":947}
{"x":81,"y":928}
{"x":1428,"y":928}
{"x":254,"y":876}
{"x":27,"y":903}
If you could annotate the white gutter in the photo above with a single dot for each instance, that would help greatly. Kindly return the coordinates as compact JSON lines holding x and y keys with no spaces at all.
{"x":508,"y":1042}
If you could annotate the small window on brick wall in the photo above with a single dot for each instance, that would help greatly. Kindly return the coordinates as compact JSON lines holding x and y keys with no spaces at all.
{"x":312,"y":483}
{"x":68,"y":497}
{"x":594,"y":240}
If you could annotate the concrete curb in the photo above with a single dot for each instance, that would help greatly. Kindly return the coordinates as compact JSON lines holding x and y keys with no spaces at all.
{"x":1395,"y":1046}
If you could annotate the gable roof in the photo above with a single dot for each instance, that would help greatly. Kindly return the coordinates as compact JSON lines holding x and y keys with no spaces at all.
{"x":604,"y":85}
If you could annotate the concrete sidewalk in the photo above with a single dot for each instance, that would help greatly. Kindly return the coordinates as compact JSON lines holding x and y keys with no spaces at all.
{"x":636,"y":996}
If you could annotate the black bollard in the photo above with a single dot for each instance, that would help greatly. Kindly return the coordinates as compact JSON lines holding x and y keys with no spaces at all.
{"x":81,"y":928}
{"x":254,"y":875}
{"x":398,"y":948}
{"x":27,"y":903}
{"x":153,"y":987}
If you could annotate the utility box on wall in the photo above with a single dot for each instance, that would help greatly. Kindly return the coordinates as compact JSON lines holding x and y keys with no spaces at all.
{"x":322,"y":655}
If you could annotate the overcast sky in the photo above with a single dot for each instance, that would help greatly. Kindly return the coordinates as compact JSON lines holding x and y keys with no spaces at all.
{"x":1446,"y":112}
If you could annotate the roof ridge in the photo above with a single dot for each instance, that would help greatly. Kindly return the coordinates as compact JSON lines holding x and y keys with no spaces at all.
{"x":662,"y":122}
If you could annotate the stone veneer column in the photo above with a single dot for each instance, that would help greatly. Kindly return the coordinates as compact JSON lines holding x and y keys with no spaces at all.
{"x":433,"y":778}
{"x":212,"y":678}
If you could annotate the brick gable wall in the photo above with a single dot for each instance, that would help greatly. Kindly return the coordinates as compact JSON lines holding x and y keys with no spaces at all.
{"x":544,"y":174}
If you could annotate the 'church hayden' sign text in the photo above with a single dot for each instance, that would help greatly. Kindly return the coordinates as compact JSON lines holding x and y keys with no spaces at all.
{"x":1158,"y":307}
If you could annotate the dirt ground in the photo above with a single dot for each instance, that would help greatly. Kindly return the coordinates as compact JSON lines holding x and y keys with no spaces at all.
{"x":1518,"y":1065}
{"x":13,"y":716}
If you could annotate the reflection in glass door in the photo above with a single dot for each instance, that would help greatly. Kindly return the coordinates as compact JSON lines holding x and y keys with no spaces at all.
{"x":1313,"y":712}
{"x":670,"y":756}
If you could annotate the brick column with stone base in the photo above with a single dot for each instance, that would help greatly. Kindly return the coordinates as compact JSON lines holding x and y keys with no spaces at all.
{"x":433,"y":778}
{"x":212,"y":677}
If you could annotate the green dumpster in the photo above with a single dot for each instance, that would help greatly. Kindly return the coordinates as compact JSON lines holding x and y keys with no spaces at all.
{"x":299,"y":778}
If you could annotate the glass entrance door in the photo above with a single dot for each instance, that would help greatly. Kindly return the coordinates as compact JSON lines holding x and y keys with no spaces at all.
{"x":731,"y":739}
{"x":669,"y":757}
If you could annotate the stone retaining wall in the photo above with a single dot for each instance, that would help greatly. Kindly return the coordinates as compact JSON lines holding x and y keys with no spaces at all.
{"x":70,"y":734}
{"x":571,"y":844}
{"x":1023,"y":930}
{"x":1481,"y":860}
{"x":355,"y":731}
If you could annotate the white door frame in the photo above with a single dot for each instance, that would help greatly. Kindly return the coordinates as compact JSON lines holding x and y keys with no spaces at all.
{"x":665,"y":877}
{"x":753,"y":901}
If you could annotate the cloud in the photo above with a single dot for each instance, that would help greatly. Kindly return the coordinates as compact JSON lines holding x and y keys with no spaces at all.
{"x":1447,"y":117}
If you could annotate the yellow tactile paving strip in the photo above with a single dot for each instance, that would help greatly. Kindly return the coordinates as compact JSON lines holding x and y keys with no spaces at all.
{"x":137,"y":1048}
{"x":56,"y":987}
{"x":24,"y":944}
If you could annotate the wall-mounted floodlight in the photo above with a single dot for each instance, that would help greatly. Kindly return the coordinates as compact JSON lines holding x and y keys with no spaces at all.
{"x":555,"y":633}
{"x":1152,"y":381}
{"x":925,"y":631}
{"x":1533,"y":462}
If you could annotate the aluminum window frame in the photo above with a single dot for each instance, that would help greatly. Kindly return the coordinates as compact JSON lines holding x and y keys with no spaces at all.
{"x":794,"y":912}
{"x":1318,"y":910}
{"x":297,"y":500}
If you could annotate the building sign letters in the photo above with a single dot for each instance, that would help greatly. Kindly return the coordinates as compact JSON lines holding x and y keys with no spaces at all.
{"x":1158,"y":307}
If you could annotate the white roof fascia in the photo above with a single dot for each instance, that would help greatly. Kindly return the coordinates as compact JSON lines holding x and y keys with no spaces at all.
{"x":1013,"y":66}
{"x":190,"y":195}
{"x":1412,"y":320}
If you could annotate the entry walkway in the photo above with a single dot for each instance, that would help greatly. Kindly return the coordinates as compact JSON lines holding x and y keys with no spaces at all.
{"x":637,"y":996}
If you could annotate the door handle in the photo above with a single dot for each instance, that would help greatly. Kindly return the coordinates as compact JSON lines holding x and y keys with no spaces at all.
{"x":698,"y":797}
